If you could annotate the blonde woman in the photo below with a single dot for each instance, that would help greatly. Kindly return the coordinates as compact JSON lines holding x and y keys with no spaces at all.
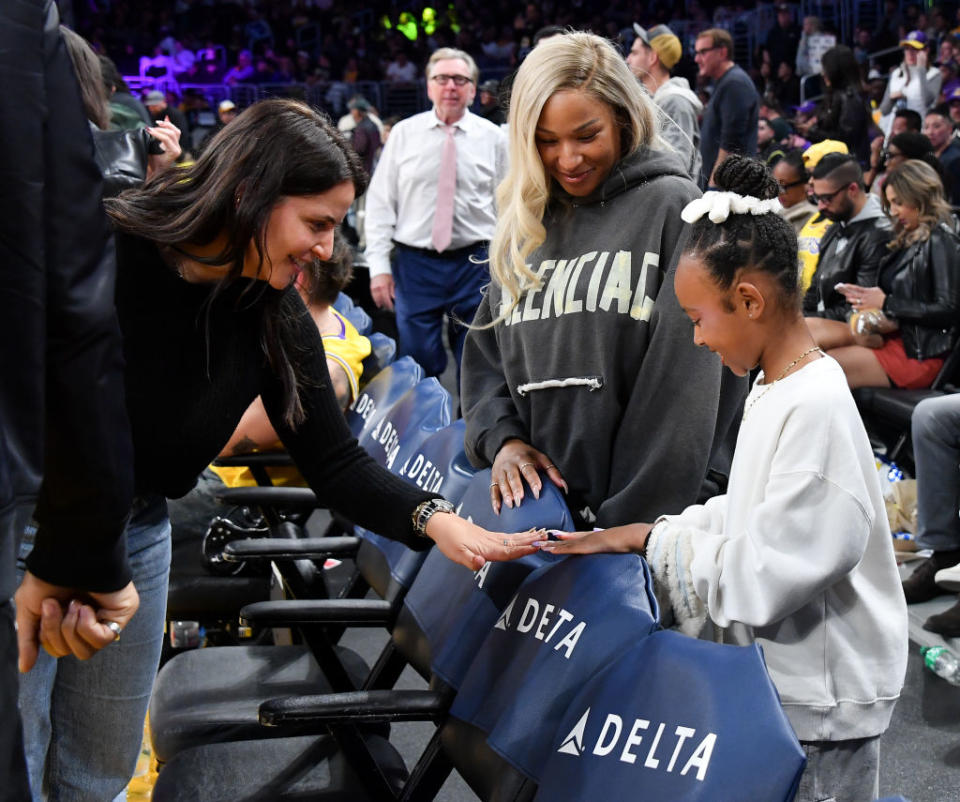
{"x":581,"y":362}
{"x":918,"y":290}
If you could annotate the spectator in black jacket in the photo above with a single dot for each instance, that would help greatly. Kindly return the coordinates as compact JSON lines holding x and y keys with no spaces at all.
{"x":851,"y":249}
{"x":62,"y":391}
{"x":843,"y":114}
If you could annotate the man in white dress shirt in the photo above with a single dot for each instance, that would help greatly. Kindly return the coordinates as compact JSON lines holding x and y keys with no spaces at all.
{"x":431,"y":202}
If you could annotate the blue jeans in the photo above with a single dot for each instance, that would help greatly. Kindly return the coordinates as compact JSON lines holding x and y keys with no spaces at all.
{"x":83,"y":719}
{"x":936,"y":449}
{"x":428,"y":288}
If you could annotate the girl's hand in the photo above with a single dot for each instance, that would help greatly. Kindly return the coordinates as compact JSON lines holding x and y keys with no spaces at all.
{"x":517,"y":459}
{"x":168,"y":135}
{"x":628,"y":539}
{"x":472,"y":546}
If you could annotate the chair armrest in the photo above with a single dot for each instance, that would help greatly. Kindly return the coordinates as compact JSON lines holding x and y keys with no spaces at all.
{"x":274,"y":548}
{"x":356,"y":707}
{"x":289,"y":497}
{"x":266,"y":459}
{"x":296,"y":613}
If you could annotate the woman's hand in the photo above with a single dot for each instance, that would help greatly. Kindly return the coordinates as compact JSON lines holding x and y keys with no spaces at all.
{"x":472,"y":546}
{"x":862,"y":297}
{"x":517,"y":459}
{"x":876,"y":147}
{"x":168,"y":135}
{"x":628,"y":539}
{"x":54,"y":617}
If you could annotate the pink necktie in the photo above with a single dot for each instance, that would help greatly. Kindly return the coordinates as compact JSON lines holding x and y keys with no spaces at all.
{"x":446,"y":186}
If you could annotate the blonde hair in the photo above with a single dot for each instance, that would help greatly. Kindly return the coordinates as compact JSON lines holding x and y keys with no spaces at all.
{"x":445,"y":53}
{"x":918,"y":185}
{"x":580,"y":61}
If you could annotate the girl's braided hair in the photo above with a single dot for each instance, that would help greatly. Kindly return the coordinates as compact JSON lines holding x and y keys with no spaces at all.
{"x":763,"y":242}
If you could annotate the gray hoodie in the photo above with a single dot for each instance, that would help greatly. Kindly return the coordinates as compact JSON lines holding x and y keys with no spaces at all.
{"x":680,"y":127}
{"x":598,"y":369}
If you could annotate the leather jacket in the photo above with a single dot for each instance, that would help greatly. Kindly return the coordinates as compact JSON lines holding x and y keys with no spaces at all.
{"x":923,"y":293}
{"x":122,"y":157}
{"x":849,"y":253}
{"x":62,"y":404}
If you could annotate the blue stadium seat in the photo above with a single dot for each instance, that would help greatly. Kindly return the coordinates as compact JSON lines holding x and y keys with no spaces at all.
{"x":565,"y":623}
{"x":381,"y":393}
{"x":675,"y":718}
{"x":355,"y":314}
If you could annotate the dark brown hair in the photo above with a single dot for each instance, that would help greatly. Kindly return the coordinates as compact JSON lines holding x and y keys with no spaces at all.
{"x":274,"y":149}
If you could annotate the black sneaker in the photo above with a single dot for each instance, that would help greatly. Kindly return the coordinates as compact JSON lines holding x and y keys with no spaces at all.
{"x":946,"y":623}
{"x":921,"y":585}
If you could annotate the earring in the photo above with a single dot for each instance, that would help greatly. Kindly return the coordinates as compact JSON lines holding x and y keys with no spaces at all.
{"x":236,"y":199}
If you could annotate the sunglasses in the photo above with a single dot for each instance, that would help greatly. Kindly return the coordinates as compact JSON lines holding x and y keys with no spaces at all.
{"x":790,"y":185}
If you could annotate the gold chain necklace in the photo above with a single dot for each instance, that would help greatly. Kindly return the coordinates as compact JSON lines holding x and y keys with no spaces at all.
{"x":786,"y":370}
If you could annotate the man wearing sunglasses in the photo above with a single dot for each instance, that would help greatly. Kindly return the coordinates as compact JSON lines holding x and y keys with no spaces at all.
{"x":431,"y":212}
{"x":730,"y":121}
{"x":851,"y":250}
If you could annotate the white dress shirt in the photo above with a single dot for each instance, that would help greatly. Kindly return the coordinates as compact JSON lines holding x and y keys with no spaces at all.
{"x":403,"y":190}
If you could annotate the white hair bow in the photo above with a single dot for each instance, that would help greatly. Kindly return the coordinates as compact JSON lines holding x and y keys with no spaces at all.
{"x":718,"y":206}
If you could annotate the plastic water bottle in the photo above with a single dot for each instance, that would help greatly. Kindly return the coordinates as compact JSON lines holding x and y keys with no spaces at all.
{"x":942,"y":662}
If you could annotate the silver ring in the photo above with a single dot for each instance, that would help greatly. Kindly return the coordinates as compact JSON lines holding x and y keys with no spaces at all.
{"x":115,"y":628}
{"x":506,"y":542}
{"x":494,"y":484}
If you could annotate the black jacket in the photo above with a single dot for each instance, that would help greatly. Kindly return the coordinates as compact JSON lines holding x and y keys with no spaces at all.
{"x":62,"y":411}
{"x":845,"y":116}
{"x":923,"y":293}
{"x":850,"y":253}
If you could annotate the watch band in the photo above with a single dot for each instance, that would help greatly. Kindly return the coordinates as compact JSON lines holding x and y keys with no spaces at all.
{"x":425,"y":511}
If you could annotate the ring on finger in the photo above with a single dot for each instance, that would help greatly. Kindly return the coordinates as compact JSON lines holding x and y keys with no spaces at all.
{"x":114,"y":627}
{"x":506,"y":542}
{"x":494,"y":484}
{"x":525,"y":464}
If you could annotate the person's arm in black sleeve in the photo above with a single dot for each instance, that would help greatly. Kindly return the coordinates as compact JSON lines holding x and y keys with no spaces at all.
{"x":342,"y":474}
{"x":347,"y":479}
{"x":87,"y":486}
{"x":88,"y":460}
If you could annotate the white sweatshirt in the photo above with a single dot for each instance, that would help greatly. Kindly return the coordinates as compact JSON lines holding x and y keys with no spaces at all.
{"x":798,"y":557}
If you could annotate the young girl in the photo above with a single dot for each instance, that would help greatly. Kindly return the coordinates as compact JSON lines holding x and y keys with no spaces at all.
{"x":797,"y":555}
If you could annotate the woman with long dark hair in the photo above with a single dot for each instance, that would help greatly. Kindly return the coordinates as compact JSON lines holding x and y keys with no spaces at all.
{"x":843,"y":113}
{"x":207,"y":258}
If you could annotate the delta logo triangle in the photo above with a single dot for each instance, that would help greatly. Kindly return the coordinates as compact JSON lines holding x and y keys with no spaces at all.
{"x":573,"y":743}
{"x":503,"y":622}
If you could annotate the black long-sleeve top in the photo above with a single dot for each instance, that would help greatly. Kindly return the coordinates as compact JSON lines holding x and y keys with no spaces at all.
{"x":195,"y":363}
